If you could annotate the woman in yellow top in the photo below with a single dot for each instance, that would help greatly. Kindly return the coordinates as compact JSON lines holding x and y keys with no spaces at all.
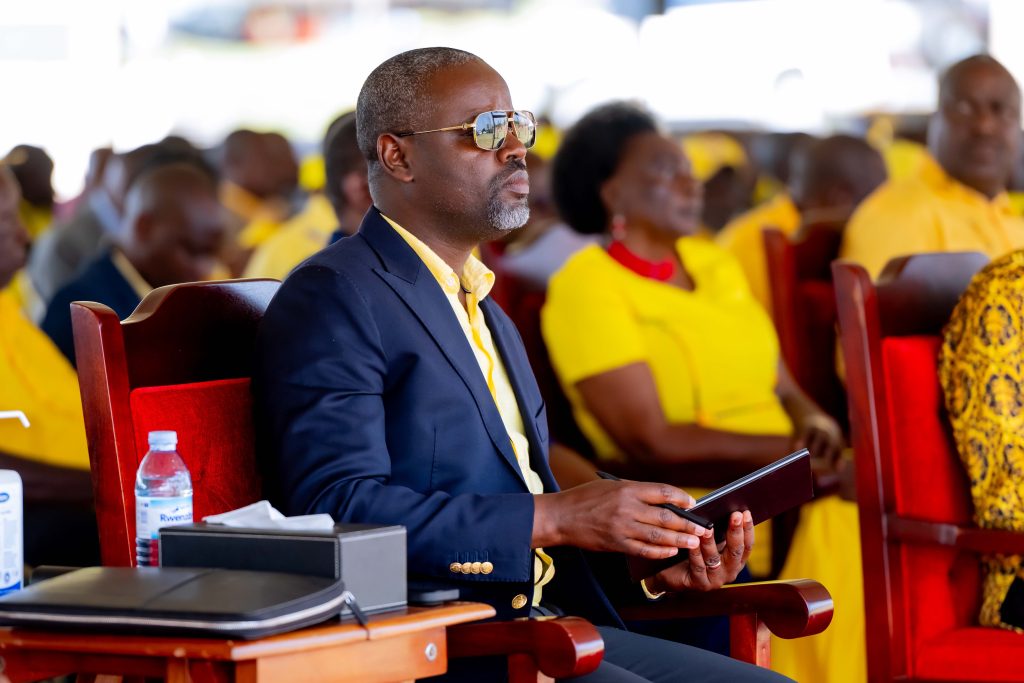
{"x":980,"y":369}
{"x":664,"y":354}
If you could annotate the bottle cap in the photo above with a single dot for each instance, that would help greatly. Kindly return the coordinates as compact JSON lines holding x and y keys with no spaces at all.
{"x":163,"y":439}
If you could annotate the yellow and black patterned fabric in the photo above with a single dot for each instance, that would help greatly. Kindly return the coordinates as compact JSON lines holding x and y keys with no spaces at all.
{"x":981,"y":369}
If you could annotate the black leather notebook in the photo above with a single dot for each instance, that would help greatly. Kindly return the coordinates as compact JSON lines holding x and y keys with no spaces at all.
{"x":769,"y":491}
{"x":204,"y":602}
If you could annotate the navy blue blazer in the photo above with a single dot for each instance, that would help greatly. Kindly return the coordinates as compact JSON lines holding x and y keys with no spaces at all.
{"x":372,"y":408}
{"x":100,"y":281}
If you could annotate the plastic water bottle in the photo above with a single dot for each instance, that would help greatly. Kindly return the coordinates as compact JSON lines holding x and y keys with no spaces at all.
{"x":163,"y":496}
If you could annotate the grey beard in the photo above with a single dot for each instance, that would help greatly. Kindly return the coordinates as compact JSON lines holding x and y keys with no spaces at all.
{"x":504,"y":217}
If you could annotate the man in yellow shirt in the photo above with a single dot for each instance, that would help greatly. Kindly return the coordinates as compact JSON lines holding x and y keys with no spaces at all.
{"x":51,"y":454}
{"x":259,"y":176}
{"x":33,"y":169}
{"x":829,"y":179}
{"x":958,"y":201}
{"x":345,"y":199}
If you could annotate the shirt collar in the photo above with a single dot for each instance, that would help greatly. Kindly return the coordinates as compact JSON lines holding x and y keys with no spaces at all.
{"x":129,"y":273}
{"x":476,"y":279}
{"x":935,"y":177}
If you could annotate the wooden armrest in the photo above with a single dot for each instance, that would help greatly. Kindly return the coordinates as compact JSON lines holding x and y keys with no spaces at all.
{"x":790,"y":609}
{"x":969,"y":538}
{"x":560,"y":647}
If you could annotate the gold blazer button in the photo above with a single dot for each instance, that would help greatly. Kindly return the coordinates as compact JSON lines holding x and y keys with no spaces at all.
{"x":519,"y":601}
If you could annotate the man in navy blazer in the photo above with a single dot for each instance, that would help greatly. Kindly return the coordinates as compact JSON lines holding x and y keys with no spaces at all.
{"x":382,"y":368}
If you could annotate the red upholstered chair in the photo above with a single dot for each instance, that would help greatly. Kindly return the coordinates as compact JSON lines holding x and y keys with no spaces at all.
{"x":804,"y":309}
{"x":182,"y":361}
{"x":919,"y":546}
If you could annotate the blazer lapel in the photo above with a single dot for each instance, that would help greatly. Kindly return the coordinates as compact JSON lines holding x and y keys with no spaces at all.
{"x":408,"y":277}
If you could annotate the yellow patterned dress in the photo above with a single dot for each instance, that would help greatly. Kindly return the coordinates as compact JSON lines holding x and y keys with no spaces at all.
{"x":980,"y":369}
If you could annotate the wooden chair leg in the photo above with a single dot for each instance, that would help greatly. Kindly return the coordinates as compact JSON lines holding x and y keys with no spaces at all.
{"x":750,"y":640}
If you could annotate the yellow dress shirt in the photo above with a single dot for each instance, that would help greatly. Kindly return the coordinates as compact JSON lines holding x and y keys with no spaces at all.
{"x":298,"y":239}
{"x":928,"y":213}
{"x":36,"y":379}
{"x":742,"y":237}
{"x":477,"y":281}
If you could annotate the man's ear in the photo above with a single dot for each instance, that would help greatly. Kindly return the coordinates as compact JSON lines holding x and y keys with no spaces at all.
{"x":392,"y":152}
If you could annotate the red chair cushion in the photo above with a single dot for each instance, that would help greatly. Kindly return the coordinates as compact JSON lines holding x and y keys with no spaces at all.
{"x":215,"y":438}
{"x":940,"y":590}
{"x":929,"y":480}
{"x":972,"y":654}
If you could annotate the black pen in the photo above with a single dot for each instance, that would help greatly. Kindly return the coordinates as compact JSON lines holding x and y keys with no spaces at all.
{"x":685,"y":514}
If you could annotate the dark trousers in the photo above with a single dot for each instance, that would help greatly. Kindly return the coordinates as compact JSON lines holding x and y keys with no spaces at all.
{"x":634,"y":658}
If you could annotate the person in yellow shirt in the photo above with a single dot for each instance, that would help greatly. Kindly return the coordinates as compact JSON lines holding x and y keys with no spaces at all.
{"x":51,"y":454}
{"x":664,"y":354}
{"x":341,"y":206}
{"x":33,"y":169}
{"x":829,"y":179}
{"x":259,"y":174}
{"x":958,"y":201}
{"x":667,"y":358}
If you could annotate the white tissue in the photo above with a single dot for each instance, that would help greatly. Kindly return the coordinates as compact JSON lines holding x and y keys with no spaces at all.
{"x":262,"y":515}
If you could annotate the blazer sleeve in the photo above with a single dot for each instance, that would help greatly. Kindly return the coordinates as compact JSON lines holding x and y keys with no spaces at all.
{"x":321,"y":374}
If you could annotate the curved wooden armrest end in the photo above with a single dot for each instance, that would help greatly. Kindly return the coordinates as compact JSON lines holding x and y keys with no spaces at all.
{"x":790,"y":609}
{"x":561,"y":647}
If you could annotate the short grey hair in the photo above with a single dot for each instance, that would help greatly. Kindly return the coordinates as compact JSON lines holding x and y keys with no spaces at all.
{"x":394,"y":96}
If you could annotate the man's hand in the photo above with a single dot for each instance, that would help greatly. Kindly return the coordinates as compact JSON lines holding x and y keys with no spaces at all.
{"x":616,"y":516}
{"x":709,"y":566}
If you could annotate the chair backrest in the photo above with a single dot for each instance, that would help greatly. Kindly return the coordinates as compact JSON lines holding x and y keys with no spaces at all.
{"x":804,"y":309}
{"x":907,"y":465}
{"x":181,"y":361}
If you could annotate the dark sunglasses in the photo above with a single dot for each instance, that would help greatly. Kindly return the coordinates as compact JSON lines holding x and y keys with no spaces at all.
{"x":491,"y":128}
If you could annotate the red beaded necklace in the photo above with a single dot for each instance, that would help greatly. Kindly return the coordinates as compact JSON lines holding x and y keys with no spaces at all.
{"x":655,"y":270}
